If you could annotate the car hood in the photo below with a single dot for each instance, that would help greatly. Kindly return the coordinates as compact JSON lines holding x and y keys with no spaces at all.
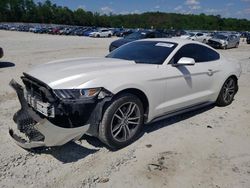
{"x":218,"y":40}
{"x":73,"y":73}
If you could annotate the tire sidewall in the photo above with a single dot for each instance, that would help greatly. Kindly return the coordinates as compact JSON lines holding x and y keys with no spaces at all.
{"x":107,"y":120}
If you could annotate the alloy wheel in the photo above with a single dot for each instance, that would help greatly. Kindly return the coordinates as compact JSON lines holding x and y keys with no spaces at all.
{"x":125,"y":121}
{"x":229,"y":90}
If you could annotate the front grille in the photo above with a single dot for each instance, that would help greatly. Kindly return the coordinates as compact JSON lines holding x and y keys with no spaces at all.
{"x":38,"y":89}
{"x":39,"y":97}
{"x":34,"y":88}
{"x":214,"y":43}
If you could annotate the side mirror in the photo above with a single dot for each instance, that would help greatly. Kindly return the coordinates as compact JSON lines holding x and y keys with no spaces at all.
{"x":185,"y":61}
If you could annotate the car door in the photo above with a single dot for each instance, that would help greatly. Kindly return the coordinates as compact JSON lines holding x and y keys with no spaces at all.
{"x":231,"y":41}
{"x":191,"y":85}
{"x":104,"y":33}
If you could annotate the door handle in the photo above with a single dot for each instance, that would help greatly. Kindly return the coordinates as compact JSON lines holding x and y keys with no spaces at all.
{"x":210,"y":72}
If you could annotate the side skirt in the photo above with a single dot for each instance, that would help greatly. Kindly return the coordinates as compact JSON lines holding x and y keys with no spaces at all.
{"x":182,"y":111}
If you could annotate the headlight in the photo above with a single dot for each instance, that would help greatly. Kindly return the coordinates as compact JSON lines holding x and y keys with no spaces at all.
{"x":224,"y":42}
{"x":76,"y":93}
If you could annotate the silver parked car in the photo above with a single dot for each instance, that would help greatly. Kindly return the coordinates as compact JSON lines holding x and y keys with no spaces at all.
{"x":224,"y":41}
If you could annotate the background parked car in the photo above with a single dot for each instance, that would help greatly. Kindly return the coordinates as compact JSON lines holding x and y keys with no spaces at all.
{"x":224,"y":41}
{"x":248,"y":38}
{"x":197,"y":36}
{"x":136,"y":36}
{"x":88,"y":31}
{"x":101,"y":33}
{"x":124,"y":32}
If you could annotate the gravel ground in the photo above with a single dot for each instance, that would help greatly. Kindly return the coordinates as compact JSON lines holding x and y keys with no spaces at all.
{"x":205,"y":148}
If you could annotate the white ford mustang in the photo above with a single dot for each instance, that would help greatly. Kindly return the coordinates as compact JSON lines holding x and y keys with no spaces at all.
{"x":112,"y":97}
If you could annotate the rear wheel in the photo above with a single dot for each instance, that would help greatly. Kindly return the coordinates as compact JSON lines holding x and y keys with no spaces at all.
{"x":227,"y":92}
{"x":121,"y":121}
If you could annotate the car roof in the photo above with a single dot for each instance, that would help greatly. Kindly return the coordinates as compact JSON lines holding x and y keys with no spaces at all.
{"x":180,"y":41}
{"x":177,"y":40}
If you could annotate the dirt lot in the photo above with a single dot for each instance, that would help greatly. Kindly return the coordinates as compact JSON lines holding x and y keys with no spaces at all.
{"x":206,"y":148}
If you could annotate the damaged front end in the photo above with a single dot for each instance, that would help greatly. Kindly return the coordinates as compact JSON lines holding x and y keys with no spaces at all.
{"x":46,"y":120}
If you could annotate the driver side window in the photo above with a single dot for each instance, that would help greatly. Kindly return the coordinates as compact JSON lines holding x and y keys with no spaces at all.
{"x":186,"y":51}
{"x":198,"y":52}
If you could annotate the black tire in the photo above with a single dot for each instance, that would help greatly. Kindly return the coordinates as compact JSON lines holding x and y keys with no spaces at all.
{"x":225,"y":47}
{"x":98,"y":36}
{"x":1,"y":52}
{"x":110,"y":122}
{"x":237,"y":45}
{"x":109,"y":35}
{"x":227,"y":92}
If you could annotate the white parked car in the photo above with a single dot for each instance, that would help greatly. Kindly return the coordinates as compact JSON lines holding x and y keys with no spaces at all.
{"x":112,"y":97}
{"x":101,"y":33}
{"x":197,"y":36}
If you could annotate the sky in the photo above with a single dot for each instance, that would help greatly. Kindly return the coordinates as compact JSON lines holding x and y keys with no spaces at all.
{"x":226,"y":8}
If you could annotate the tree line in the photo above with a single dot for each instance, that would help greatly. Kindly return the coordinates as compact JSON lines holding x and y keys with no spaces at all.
{"x":47,"y":12}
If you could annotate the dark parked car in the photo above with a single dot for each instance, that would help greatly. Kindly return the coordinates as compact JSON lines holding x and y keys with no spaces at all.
{"x":123,"y":33}
{"x":41,"y":30}
{"x":1,"y":52}
{"x":248,"y":38}
{"x":136,"y":36}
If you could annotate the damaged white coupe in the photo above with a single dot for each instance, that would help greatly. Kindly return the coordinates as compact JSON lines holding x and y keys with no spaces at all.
{"x":112,"y":97}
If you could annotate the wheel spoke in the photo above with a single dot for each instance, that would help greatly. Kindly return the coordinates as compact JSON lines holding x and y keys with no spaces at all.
{"x":125,"y":133}
{"x":131,"y":110}
{"x":120,"y":110}
{"x":118,"y":132}
{"x":116,"y":127}
{"x":225,"y":96}
{"x":133,"y":118}
{"x":120,"y":118}
{"x":133,"y":123}
{"x":230,"y":83}
{"x":228,"y":97}
{"x":127,"y":128}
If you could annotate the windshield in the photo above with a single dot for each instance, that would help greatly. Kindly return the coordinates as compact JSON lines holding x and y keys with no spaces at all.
{"x":146,"y":52}
{"x":223,"y":37}
{"x":191,"y":34}
{"x":136,"y":35}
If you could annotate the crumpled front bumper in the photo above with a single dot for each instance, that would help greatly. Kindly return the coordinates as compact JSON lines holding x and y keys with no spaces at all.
{"x":33,"y":131}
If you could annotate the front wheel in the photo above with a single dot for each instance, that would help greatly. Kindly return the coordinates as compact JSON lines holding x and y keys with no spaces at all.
{"x":227,"y":92}
{"x":121,"y":121}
